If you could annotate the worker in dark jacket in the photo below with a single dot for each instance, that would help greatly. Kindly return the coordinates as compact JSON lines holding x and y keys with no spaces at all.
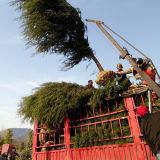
{"x":150,"y":128}
{"x":90,"y":84}
{"x":122,"y":80}
{"x":145,"y":65}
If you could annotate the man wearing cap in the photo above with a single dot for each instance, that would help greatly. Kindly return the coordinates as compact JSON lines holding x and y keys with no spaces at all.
{"x":123,"y":82}
{"x":150,"y":128}
{"x":128,"y":71}
{"x":119,"y":67}
{"x":145,"y":66}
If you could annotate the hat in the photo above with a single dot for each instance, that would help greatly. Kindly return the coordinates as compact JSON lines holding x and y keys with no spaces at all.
{"x":119,"y":66}
{"x":139,"y":61}
{"x":90,"y":81}
{"x":142,"y":110}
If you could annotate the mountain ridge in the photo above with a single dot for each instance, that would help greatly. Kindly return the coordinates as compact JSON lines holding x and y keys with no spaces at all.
{"x":18,"y":133}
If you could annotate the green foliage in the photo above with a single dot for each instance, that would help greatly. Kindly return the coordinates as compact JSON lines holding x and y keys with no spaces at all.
{"x":109,"y":87}
{"x":98,"y":97}
{"x":52,"y":102}
{"x":55,"y":27}
{"x":25,"y":154}
{"x":104,"y":133}
{"x":103,"y":136}
{"x":29,"y":139}
{"x":1,"y":140}
{"x":8,"y":136}
{"x":20,"y":146}
{"x":84,"y":140}
{"x":76,"y":140}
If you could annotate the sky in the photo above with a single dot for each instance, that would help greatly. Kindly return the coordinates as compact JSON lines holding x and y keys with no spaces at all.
{"x":21,"y":70}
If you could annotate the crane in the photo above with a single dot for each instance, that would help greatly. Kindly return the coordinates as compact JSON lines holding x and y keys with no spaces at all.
{"x":125,"y":55}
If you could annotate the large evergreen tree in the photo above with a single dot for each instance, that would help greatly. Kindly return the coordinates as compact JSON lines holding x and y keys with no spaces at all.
{"x":54,"y":26}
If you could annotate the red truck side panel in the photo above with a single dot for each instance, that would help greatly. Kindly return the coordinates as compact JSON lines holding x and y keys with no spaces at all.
{"x":135,"y":150}
{"x":110,"y":152}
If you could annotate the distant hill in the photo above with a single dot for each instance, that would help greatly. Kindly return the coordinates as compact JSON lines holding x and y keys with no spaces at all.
{"x":18,"y":133}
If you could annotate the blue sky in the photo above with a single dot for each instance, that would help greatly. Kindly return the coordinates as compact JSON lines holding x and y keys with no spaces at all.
{"x":138,"y":21}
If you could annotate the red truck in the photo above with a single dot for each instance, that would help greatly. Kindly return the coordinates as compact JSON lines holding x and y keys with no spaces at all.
{"x":110,"y":131}
{"x":8,"y":152}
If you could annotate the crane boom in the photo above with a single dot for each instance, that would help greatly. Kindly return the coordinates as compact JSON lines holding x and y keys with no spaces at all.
{"x":125,"y":55}
{"x":140,"y":52}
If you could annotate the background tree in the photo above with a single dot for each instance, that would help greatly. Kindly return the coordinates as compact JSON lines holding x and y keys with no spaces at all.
{"x":29,"y":139}
{"x":26,"y":153}
{"x":1,"y":140}
{"x":21,"y":146}
{"x":8,"y":136}
{"x":56,"y":27}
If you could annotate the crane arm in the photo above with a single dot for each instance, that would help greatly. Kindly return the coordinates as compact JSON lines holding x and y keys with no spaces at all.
{"x":125,"y":55}
{"x":140,"y":52}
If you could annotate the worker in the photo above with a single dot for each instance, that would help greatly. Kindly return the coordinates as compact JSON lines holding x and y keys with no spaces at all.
{"x":43,"y":134}
{"x":130,"y":70}
{"x":90,"y":84}
{"x":123,"y":83}
{"x":120,"y":70}
{"x":147,"y":68}
{"x":150,"y":128}
{"x":119,"y":67}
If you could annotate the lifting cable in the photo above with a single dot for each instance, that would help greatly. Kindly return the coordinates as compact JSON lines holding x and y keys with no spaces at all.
{"x":125,"y":41}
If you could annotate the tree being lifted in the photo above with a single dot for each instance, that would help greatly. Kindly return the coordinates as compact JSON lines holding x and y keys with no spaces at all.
{"x":56,"y":27}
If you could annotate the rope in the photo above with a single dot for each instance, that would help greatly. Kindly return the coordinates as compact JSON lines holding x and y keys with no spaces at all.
{"x":125,"y":41}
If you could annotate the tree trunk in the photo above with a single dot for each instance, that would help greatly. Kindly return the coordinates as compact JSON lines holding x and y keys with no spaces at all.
{"x":97,"y":63}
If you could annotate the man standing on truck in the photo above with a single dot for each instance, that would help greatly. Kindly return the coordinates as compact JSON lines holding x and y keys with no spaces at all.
{"x":147,"y":68}
{"x":150,"y":128}
{"x":119,"y":70}
{"x":90,"y":84}
{"x":123,"y":83}
{"x":130,"y":70}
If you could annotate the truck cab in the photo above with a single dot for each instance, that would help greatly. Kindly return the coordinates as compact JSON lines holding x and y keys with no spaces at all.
{"x":8,"y":151}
